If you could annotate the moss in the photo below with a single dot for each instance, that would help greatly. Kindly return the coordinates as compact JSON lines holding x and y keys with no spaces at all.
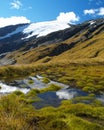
{"x":29,"y":100}
{"x":51,"y":87}
{"x":81,"y":66}
{"x":91,"y":95}
{"x":67,"y":116}
{"x":23,"y":85}
{"x":45,"y":80}
{"x":18,"y":93}
{"x":15,"y":114}
{"x":84,"y":124}
{"x":30,"y":81}
{"x":89,"y":89}
{"x":33,"y":92}
{"x":59,"y":124}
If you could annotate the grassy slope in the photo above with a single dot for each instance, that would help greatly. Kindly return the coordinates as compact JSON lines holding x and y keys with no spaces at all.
{"x":86,"y":50}
{"x":81,"y":66}
{"x":90,"y":50}
{"x":16,"y":112}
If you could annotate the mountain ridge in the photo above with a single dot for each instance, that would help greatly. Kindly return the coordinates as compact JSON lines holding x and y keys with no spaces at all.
{"x":54,"y":45}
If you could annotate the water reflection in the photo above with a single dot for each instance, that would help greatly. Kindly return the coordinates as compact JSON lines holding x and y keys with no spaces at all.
{"x":5,"y":89}
{"x":48,"y":98}
{"x":70,"y":93}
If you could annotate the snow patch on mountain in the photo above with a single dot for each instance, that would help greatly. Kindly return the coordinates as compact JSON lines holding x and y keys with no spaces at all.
{"x":44,"y":28}
{"x":92,"y":22}
{"x":38,"y":29}
{"x":18,"y":30}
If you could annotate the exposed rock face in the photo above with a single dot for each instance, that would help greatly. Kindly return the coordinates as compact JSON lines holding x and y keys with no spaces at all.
{"x":13,"y":38}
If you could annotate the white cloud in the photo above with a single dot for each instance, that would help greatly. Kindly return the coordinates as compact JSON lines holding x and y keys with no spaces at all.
{"x":16,"y":4}
{"x":90,"y":11}
{"x":68,"y":17}
{"x":44,"y":28}
{"x":101,"y":11}
{"x":64,"y":94}
{"x":13,"y":21}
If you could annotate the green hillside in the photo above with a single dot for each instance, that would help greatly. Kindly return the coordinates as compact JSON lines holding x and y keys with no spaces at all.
{"x":85,"y":46}
{"x":77,"y":61}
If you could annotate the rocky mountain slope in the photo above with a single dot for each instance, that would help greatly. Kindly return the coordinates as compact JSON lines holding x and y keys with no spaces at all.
{"x":51,"y":42}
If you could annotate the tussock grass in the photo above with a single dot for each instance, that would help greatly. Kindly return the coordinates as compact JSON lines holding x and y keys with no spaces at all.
{"x":17,"y":112}
{"x":81,"y":66}
{"x":88,"y":77}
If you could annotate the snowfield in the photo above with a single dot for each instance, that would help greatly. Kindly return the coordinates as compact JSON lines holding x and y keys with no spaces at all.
{"x":44,"y":28}
{"x":38,"y":29}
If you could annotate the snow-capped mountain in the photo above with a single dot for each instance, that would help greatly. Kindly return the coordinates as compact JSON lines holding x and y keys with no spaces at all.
{"x":35,"y":34}
{"x":15,"y":36}
{"x":44,"y":28}
{"x":35,"y":29}
{"x":10,"y":33}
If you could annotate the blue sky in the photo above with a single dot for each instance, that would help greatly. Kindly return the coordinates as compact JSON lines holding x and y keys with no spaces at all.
{"x":47,"y":10}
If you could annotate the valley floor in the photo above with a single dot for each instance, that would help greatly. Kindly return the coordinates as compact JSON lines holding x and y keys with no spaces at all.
{"x":18,"y":113}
